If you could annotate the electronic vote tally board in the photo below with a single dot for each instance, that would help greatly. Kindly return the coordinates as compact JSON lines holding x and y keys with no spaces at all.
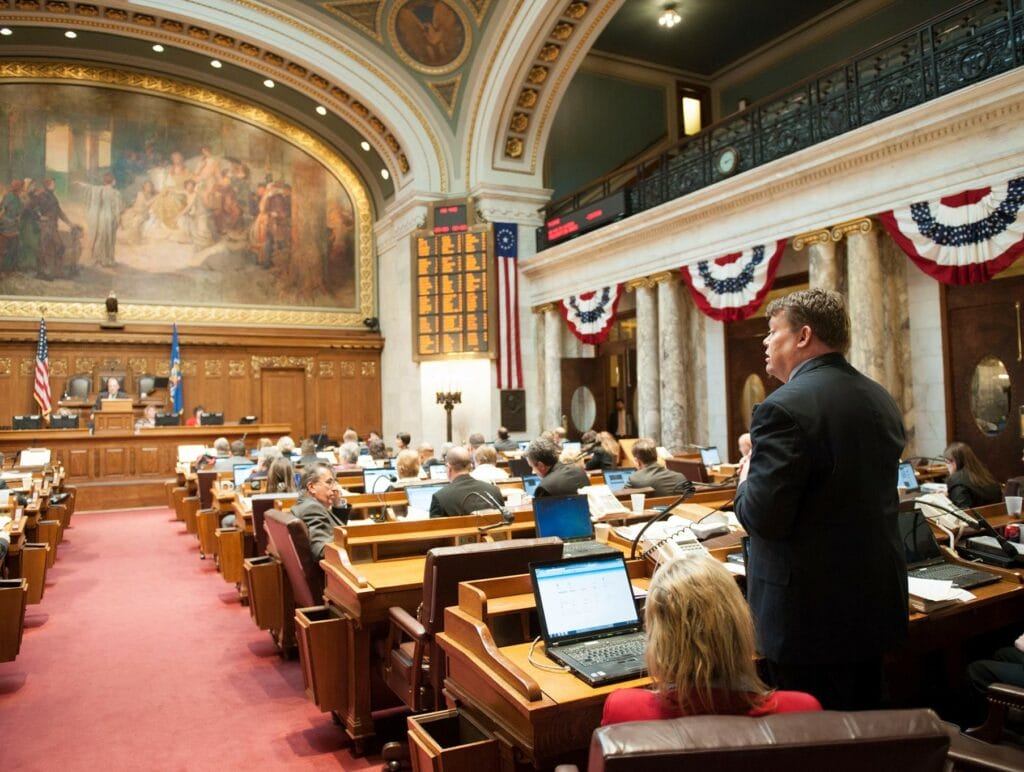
{"x":453,"y":285}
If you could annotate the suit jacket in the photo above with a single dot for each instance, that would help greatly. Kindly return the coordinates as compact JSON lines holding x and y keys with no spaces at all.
{"x":664,"y":481}
{"x":562,"y":480}
{"x":457,"y":497}
{"x":320,"y":522}
{"x":613,"y":425}
{"x":826,"y":576}
{"x":965,"y":494}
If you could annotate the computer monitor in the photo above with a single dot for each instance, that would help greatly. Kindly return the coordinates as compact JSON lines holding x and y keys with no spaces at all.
{"x":420,"y":495}
{"x":64,"y":422}
{"x":616,"y":478}
{"x":212,"y":419}
{"x":709,"y":456}
{"x":166,"y":419}
{"x":26,"y":421}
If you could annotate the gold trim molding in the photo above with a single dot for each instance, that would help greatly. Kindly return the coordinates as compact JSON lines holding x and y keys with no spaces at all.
{"x":56,"y":72}
{"x":544,"y":308}
{"x":860,"y":225}
{"x":279,"y":363}
{"x":821,"y":236}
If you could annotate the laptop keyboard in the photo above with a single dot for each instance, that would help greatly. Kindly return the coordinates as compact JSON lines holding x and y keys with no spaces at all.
{"x":596,"y":653}
{"x":950,"y":572}
{"x":577,"y":549}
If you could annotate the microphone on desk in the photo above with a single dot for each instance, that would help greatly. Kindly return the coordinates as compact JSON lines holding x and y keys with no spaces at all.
{"x":506,"y":514}
{"x":688,"y":491}
{"x":981,"y":524}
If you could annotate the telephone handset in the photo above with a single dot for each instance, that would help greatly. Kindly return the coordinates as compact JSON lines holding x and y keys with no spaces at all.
{"x":664,"y":546}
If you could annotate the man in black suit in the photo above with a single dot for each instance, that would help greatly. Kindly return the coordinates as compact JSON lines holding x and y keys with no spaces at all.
{"x":464,"y":494}
{"x":113,"y":392}
{"x":651,"y":474}
{"x":557,"y":479}
{"x":826,"y":577}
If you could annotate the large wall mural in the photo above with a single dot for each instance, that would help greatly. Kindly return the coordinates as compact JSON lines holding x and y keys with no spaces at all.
{"x":202,"y":210}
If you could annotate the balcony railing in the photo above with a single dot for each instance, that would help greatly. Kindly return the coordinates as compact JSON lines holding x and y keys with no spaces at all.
{"x":975,"y":41}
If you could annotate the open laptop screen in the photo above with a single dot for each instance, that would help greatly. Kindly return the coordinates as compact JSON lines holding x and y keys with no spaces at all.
{"x":372,"y":482}
{"x":916,"y":536}
{"x":567,"y":517}
{"x":241,"y":473}
{"x":709,"y":456}
{"x":905,"y":477}
{"x":572,"y":447}
{"x":420,"y":495}
{"x":582,"y":596}
{"x":530,"y":483}
{"x":616,"y":478}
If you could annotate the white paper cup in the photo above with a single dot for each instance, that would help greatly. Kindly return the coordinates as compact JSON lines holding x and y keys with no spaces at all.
{"x":601,"y":531}
{"x":1013,"y":505}
{"x":5,"y":498}
{"x":514,"y":497}
{"x":637,"y":500}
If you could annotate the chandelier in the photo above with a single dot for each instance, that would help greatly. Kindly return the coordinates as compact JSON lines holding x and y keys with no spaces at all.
{"x":669,"y":17}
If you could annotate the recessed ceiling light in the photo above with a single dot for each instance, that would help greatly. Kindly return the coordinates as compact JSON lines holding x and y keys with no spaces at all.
{"x":71,"y":35}
{"x":384,"y":174}
{"x":6,"y":31}
{"x":321,"y":110}
{"x":269,"y":83}
{"x":158,"y":48}
{"x":365,"y":145}
{"x":215,"y":63}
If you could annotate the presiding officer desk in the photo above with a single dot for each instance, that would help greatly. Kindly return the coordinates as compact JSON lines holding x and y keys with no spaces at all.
{"x":124,"y":468}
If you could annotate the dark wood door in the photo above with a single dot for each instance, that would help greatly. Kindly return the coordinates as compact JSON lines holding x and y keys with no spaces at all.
{"x":746,"y":381}
{"x":583,"y":394}
{"x":283,"y":395}
{"x":984,"y":404}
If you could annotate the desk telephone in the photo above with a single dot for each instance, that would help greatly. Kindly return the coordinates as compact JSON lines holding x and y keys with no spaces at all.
{"x":937,"y":507}
{"x":667,"y":540}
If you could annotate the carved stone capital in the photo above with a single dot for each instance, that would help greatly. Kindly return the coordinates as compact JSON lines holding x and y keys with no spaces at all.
{"x":860,"y":225}
{"x":544,"y":308}
{"x":802,"y":240}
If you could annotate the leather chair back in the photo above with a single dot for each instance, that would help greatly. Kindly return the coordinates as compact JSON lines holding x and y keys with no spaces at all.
{"x":204,"y":487}
{"x":262,"y":502}
{"x":291,"y":539}
{"x":692,"y":469}
{"x":445,"y":567}
{"x":907,"y":740}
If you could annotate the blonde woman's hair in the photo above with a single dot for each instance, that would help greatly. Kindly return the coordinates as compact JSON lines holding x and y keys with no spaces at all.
{"x":700,"y":638}
{"x":610,"y":446}
{"x":407,"y":463}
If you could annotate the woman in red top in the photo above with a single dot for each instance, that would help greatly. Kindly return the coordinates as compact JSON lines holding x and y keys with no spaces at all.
{"x":700,"y":651}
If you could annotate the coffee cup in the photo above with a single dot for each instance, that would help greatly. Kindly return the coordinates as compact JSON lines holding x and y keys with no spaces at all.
{"x":1013,"y":504}
{"x":601,"y":531}
{"x":637,"y":500}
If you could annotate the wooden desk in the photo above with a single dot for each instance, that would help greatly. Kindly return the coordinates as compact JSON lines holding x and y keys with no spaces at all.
{"x":125,"y":469}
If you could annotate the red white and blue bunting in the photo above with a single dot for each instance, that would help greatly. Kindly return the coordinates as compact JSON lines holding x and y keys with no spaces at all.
{"x":965,"y":238}
{"x":590,"y":315}
{"x":732,"y":287}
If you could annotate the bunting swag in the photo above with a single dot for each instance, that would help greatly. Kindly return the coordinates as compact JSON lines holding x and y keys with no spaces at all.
{"x":590,"y":315}
{"x":731,"y":288}
{"x":965,"y":238}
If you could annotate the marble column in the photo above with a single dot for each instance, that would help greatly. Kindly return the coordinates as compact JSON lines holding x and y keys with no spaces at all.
{"x":823,"y":267}
{"x":672,"y":342}
{"x":648,"y":362}
{"x":553,"y":323}
{"x":865,"y":298}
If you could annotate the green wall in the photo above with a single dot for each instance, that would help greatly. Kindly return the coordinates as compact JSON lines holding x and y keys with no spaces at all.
{"x":601,"y":123}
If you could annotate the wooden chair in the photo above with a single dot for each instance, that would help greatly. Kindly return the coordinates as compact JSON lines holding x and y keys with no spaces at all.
{"x":413,"y":665}
{"x":691,"y":468}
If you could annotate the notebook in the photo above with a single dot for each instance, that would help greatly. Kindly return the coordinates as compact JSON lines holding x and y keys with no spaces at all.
{"x":588,"y":617}
{"x":568,"y":518}
{"x":925,"y":560}
{"x":616,"y":478}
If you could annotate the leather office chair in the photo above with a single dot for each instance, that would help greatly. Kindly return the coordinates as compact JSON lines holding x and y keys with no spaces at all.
{"x":290,"y":538}
{"x":145,"y":384}
{"x":78,"y":386}
{"x":261,"y":503}
{"x":413,"y":664}
{"x":207,"y":518}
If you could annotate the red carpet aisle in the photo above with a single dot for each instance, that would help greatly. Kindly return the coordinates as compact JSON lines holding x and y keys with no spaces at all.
{"x":141,"y":657}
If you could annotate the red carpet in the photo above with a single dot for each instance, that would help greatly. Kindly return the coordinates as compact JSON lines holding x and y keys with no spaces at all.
{"x":141,"y":657}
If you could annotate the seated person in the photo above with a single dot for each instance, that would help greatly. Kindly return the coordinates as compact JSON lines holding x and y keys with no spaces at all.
{"x":378,"y":451}
{"x":700,"y":651}
{"x":503,"y":442}
{"x":402,"y":442}
{"x":485,"y":468}
{"x":148,"y":419}
{"x":407,"y":469}
{"x":475,"y":441}
{"x":320,"y":506}
{"x":348,"y":458}
{"x":237,"y":457}
{"x":113,"y":392}
{"x":427,"y":459}
{"x":604,"y":451}
{"x":197,"y":416}
{"x":222,"y":462}
{"x":307,"y":452}
{"x":286,"y":445}
{"x":969,"y":483}
{"x":557,"y":479}
{"x":1005,"y":667}
{"x":651,"y":474}
{"x":280,"y":479}
{"x":463,"y":494}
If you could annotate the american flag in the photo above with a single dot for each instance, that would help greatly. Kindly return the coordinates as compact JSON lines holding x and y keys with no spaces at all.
{"x":510,"y":361}
{"x":41,"y":390}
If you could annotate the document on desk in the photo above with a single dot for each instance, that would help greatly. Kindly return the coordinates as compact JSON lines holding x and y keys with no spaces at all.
{"x":932,"y":594}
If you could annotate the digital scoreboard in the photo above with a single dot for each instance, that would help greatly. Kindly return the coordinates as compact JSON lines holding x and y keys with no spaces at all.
{"x":579,"y":221}
{"x":453,"y":276}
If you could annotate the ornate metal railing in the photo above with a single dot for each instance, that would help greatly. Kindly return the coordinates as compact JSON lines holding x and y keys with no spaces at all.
{"x":975,"y":41}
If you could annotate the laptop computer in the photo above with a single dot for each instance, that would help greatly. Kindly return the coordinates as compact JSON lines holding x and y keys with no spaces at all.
{"x":372,"y":480}
{"x":241,"y":473}
{"x":709,"y":456}
{"x":588,"y":617}
{"x":925,"y":560}
{"x":519,"y":467}
{"x":572,"y":447}
{"x":439,"y":472}
{"x":568,"y":518}
{"x":616,"y":478}
{"x":419,"y":496}
{"x":530,"y":483}
{"x":906,"y":479}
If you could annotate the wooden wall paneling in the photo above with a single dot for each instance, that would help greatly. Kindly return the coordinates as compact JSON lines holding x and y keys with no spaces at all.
{"x":328,"y":396}
{"x":77,"y":462}
{"x":283,"y":397}
{"x":148,"y":460}
{"x":114,"y":462}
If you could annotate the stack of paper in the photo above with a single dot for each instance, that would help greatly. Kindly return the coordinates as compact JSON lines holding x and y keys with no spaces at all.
{"x":931,"y":594}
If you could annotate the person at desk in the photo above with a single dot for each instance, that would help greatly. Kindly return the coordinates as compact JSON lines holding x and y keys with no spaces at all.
{"x":196,"y":419}
{"x":826,"y":573}
{"x":651,"y":474}
{"x":427,"y":459}
{"x":557,"y":479}
{"x":621,"y":422}
{"x":237,"y":457}
{"x":503,"y":442}
{"x":148,"y":419}
{"x":969,"y":483}
{"x":603,"y":449}
{"x":700,"y":651}
{"x":463,"y":494}
{"x":307,"y":450}
{"x":113,"y":392}
{"x":320,"y":506}
{"x":485,"y":465}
